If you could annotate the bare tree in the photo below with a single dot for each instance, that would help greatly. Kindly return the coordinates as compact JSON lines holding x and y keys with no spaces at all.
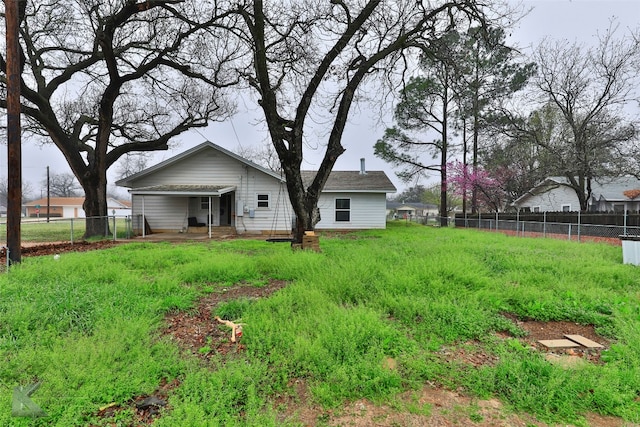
{"x":27,"y":191}
{"x":264,"y":155}
{"x":587,"y":89}
{"x":132,"y":163}
{"x":103,"y":79}
{"x":311,"y":60}
{"x":63,"y":185}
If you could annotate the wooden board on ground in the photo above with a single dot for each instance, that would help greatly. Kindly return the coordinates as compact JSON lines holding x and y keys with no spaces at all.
{"x":561,"y":343}
{"x":586,"y":342}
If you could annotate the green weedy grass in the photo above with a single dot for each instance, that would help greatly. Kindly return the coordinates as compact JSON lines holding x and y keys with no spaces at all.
{"x":88,"y":325}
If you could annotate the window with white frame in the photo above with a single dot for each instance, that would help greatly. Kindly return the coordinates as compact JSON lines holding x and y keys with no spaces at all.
{"x":343,"y":210}
{"x":536,"y":209}
{"x":263,"y":200}
{"x":204,"y":203}
{"x":566,"y":208}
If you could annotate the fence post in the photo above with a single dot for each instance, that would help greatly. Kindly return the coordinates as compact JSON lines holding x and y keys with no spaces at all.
{"x":114,"y":227}
{"x":578,"y":226}
{"x":517,"y":222}
{"x":497,"y":220}
{"x":624,"y":228}
{"x":544,"y":224}
{"x":569,"y":230}
{"x":72,"y":231}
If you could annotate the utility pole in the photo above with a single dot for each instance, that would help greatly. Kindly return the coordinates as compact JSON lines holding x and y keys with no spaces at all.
{"x":48,"y":195}
{"x":14,"y":140}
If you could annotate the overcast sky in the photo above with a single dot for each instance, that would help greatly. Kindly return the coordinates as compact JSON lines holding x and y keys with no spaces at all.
{"x":573,"y":20}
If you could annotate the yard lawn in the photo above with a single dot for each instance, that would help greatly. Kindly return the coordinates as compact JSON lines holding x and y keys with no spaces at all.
{"x":406,"y":326}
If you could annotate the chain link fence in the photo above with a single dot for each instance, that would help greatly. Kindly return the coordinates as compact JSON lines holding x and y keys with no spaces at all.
{"x":574,"y":230}
{"x":34,"y":231}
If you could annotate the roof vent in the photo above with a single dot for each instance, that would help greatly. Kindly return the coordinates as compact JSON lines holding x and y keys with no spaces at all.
{"x":363,"y":171}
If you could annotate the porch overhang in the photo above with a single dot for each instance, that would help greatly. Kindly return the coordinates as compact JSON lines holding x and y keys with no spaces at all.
{"x":186,"y":190}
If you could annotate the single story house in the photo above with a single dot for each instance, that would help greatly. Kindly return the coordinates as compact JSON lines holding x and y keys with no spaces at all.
{"x":607,"y":194}
{"x":208,"y":187}
{"x":411,"y":210}
{"x":71,"y":207}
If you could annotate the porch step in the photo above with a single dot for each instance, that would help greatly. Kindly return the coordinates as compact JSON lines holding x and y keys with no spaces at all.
{"x":215,"y":231}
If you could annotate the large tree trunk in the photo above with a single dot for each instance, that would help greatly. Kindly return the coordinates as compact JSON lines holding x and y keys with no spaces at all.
{"x":443,"y":160}
{"x":95,"y":204}
{"x":304,"y":202}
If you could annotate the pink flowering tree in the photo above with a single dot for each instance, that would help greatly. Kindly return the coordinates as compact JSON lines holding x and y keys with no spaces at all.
{"x":489,"y":188}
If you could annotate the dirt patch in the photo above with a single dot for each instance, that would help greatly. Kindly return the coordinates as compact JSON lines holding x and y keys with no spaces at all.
{"x":42,"y":249}
{"x":537,"y":331}
{"x":145,"y":407}
{"x":433,"y":407}
{"x":197,"y":333}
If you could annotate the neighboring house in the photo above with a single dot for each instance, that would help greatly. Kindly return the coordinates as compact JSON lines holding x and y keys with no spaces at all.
{"x":607,"y":194}
{"x":70,"y":207}
{"x":411,"y":210}
{"x":59,"y":207}
{"x":208,"y":186}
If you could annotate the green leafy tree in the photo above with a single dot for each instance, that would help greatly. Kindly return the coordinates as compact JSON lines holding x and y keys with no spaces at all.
{"x":463,"y":78}
{"x":425,"y":108}
{"x":431,"y":195}
{"x":490,"y":72}
{"x":410,"y":195}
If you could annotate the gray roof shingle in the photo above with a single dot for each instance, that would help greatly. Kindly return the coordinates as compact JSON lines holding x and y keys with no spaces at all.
{"x":354,"y":181}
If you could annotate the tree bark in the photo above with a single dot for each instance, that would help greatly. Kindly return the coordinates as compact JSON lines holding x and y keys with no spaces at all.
{"x":95,"y":203}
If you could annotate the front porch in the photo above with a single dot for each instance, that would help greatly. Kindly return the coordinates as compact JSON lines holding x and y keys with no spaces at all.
{"x":216,"y":231}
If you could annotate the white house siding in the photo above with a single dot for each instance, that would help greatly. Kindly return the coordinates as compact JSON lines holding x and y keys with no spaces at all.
{"x":163,"y":213}
{"x":215,"y":168}
{"x":72,"y":212}
{"x":552,"y":200}
{"x":368,"y":210}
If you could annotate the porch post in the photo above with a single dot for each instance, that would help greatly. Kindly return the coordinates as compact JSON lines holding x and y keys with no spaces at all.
{"x":210,"y":218}
{"x":144,"y":229}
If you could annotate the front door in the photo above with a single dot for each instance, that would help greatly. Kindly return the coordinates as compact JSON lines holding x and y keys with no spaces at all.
{"x":225,"y":209}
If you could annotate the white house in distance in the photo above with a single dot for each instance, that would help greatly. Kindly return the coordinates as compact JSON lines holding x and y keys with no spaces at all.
{"x":209,"y":187}
{"x":607,"y":194}
{"x":71,"y":207}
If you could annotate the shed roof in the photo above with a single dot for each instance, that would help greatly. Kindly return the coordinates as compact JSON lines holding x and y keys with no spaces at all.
{"x":185,"y":190}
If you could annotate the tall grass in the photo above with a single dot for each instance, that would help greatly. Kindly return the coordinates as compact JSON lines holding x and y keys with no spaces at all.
{"x":88,"y":326}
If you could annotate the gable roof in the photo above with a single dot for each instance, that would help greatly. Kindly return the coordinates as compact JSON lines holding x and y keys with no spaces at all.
{"x":612,"y":189}
{"x":127,"y":182}
{"x":605,"y":188}
{"x":339,"y":181}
